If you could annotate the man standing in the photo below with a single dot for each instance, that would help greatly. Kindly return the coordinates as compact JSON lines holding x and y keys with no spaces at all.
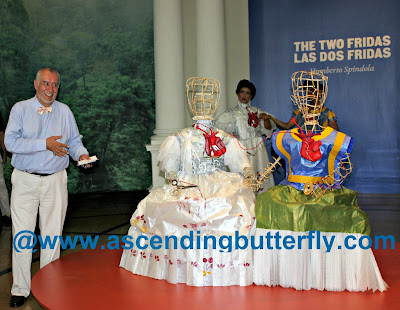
{"x":41,"y":133}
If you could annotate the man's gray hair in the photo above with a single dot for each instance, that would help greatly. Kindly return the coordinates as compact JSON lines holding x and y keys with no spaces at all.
{"x":50,"y":69}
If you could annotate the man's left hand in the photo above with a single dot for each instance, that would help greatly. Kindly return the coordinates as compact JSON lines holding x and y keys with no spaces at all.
{"x":85,"y":157}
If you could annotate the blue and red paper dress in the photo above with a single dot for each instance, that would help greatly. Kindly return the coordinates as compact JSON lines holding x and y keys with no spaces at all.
{"x":285,"y":210}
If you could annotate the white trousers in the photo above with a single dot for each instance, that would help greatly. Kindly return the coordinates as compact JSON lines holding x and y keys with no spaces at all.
{"x":4,"y":201}
{"x":31,"y":193}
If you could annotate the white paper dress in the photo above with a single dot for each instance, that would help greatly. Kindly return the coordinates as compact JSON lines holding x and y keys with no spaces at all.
{"x":221,"y":206}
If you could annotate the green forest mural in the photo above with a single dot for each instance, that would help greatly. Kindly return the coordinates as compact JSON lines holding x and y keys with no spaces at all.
{"x":103,"y":50}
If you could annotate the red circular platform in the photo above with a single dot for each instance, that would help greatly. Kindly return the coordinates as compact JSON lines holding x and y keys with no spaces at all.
{"x":92,"y":279}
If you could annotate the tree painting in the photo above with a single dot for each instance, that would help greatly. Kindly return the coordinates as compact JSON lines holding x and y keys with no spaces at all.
{"x":104,"y":53}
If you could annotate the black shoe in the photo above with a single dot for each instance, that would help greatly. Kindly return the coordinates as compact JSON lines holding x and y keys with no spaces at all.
{"x":17,"y":301}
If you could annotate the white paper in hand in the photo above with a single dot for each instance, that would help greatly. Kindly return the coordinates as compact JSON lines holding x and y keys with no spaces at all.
{"x":88,"y":161}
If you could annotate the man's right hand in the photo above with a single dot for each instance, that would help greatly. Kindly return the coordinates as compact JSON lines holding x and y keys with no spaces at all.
{"x":58,"y":149}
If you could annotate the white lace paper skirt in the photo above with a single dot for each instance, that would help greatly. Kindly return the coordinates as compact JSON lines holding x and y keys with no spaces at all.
{"x":303,"y":269}
{"x":195,"y":267}
{"x":221,"y":207}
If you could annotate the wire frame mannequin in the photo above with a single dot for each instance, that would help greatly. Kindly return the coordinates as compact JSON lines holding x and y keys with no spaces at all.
{"x":310,"y":90}
{"x":203,"y":97}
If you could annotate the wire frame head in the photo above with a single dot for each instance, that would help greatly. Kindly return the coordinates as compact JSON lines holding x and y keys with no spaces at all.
{"x":309,"y":93}
{"x":203,"y":97}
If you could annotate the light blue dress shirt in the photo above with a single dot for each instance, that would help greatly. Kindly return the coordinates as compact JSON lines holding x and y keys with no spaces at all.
{"x":27,"y":131}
